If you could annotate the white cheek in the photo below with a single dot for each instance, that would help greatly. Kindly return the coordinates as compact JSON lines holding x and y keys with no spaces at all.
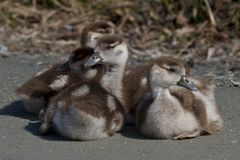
{"x":118,"y":55}
{"x":144,"y":81}
{"x":108,"y":56}
{"x":82,"y":91}
{"x":92,"y":43}
{"x":91,"y":74}
{"x":60,"y":82}
{"x":122,"y":49}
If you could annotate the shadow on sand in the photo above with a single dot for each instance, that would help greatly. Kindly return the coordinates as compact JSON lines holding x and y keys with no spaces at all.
{"x":16,"y":109}
{"x":130,"y":131}
{"x":33,"y":128}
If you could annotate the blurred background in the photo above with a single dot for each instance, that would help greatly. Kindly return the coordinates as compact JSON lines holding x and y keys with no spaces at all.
{"x":204,"y":32}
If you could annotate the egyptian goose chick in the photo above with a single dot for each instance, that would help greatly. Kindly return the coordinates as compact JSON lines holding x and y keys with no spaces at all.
{"x":92,"y":31}
{"x":84,"y":111}
{"x":114,"y":52}
{"x":171,"y":111}
{"x":38,"y":90}
{"x":135,"y":80}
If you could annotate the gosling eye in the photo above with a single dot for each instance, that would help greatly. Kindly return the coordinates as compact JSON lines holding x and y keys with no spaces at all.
{"x":172,"y":70}
{"x":104,"y":31}
{"x":109,"y":47}
{"x":101,"y":31}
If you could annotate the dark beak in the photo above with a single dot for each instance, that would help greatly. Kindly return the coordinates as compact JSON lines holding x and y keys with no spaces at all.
{"x":184,"y":82}
{"x":93,"y":60}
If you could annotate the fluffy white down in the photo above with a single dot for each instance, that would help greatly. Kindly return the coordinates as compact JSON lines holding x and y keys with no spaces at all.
{"x":75,"y":124}
{"x":91,"y":74}
{"x":122,"y":59}
{"x":81,"y":91}
{"x":60,"y":82}
{"x":166,"y":118}
{"x":144,"y":81}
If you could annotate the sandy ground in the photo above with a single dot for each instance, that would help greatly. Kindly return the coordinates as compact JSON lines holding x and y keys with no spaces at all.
{"x":19,"y":139}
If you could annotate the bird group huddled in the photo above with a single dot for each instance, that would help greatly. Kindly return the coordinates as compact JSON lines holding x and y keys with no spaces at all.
{"x":94,"y":93}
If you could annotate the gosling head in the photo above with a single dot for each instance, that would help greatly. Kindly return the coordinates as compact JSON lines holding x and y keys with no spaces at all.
{"x":93,"y":31}
{"x":167,"y":75}
{"x":78,"y":59}
{"x":112,"y":49}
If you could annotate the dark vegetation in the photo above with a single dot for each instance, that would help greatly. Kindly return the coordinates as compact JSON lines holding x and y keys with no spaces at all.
{"x":203,"y":30}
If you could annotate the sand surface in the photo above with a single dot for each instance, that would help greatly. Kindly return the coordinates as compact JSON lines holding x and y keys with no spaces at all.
{"x":19,"y":138}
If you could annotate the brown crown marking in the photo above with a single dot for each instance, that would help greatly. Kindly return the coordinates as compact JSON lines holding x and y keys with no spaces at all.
{"x":99,"y":27}
{"x":81,"y":53}
{"x":110,"y":41}
{"x":170,"y":61}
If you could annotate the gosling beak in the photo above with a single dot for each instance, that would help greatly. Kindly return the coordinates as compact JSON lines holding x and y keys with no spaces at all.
{"x":184,"y":82}
{"x":93,"y":60}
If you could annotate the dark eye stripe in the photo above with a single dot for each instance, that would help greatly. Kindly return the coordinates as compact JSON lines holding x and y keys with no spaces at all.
{"x":110,"y":47}
{"x":171,"y":70}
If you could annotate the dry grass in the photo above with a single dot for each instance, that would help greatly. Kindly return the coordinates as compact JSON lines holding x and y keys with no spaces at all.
{"x":204,"y":30}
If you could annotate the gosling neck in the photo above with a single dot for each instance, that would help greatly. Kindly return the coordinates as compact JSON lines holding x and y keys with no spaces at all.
{"x":112,"y":80}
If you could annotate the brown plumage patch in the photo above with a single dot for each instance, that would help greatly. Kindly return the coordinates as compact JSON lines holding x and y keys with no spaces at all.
{"x":184,"y":96}
{"x":191,"y":103}
{"x":86,"y":103}
{"x":108,"y":42}
{"x":206,"y":85}
{"x":172,"y":62}
{"x":133,"y":90}
{"x":40,"y":84}
{"x":94,"y":104}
